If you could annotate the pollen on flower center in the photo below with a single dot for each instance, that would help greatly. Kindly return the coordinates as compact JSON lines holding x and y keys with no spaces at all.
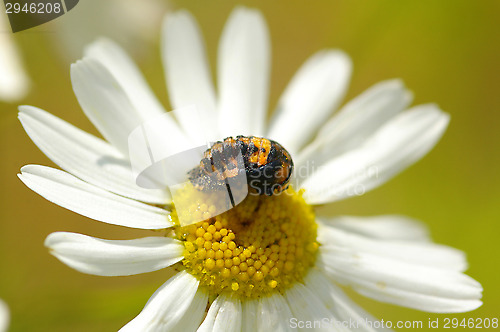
{"x":263,"y":245}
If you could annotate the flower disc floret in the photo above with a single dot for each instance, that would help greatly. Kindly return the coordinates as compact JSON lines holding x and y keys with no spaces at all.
{"x":263,"y":245}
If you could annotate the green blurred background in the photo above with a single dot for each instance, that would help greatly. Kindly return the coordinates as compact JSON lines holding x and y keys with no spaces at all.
{"x":445,"y":51}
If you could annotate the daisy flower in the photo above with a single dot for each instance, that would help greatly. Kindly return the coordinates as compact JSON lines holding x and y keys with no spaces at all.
{"x":4,"y":316}
{"x":271,"y":262}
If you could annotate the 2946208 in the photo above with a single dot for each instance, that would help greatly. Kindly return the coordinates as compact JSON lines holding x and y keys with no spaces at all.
{"x":471,"y":323}
{"x":33,"y":8}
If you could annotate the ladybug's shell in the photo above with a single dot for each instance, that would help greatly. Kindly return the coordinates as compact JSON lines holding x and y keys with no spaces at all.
{"x":266,"y":164}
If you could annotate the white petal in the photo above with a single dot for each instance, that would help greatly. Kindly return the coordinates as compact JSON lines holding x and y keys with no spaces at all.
{"x":345,"y":310}
{"x":73,"y":194}
{"x":385,"y":227}
{"x":269,"y":313}
{"x":178,"y":305}
{"x":126,"y":73}
{"x":312,"y":95}
{"x":85,"y":155}
{"x":274,"y":314}
{"x":307,"y":307}
{"x":250,"y":311}
{"x":114,"y":257}
{"x":356,"y":121}
{"x":14,"y":81}
{"x":403,"y":283}
{"x":418,"y":253}
{"x":243,"y":73}
{"x":395,"y":146}
{"x":4,"y":316}
{"x":224,"y":315}
{"x":426,"y":302}
{"x":187,"y":71}
{"x":108,"y":105}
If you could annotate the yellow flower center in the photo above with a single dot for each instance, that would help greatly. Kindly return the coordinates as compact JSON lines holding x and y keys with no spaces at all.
{"x":264,"y":244}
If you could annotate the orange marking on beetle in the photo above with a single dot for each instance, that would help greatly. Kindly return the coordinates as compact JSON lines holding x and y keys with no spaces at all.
{"x":268,"y":166}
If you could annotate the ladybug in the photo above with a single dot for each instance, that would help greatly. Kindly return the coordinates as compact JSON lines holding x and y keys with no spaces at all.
{"x":264,"y":165}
